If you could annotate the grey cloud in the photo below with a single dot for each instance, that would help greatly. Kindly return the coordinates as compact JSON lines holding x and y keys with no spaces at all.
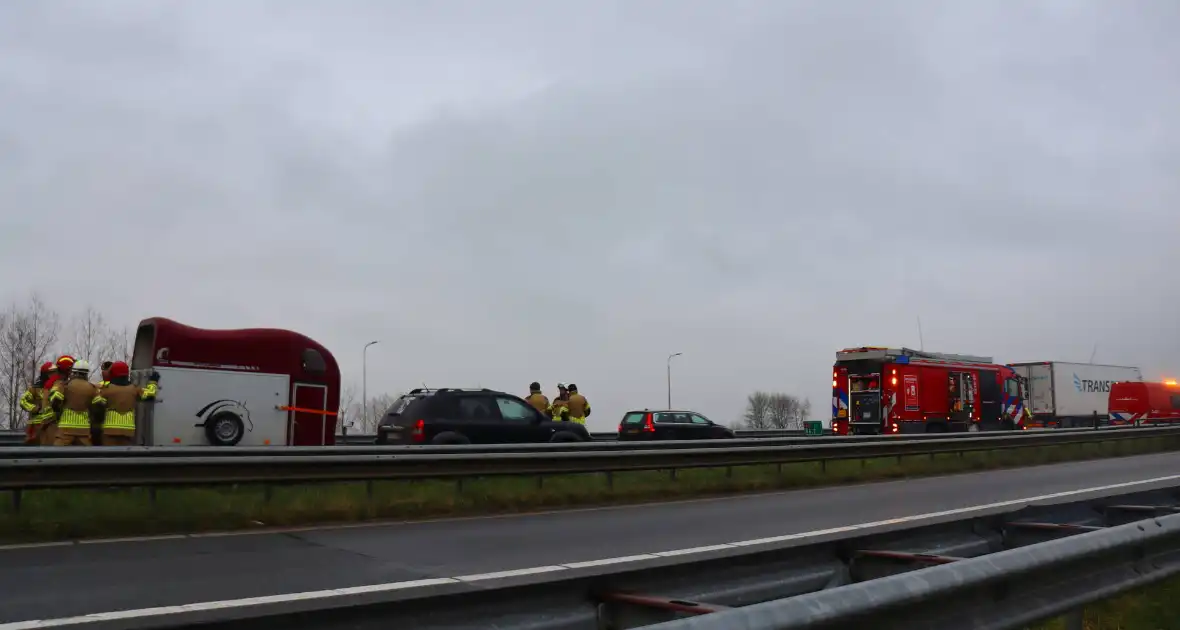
{"x":755,"y":184}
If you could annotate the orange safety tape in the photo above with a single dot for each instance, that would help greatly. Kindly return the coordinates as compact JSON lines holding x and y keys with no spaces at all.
{"x":322,"y":412}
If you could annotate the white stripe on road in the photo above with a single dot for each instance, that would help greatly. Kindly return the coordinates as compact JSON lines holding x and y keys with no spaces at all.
{"x":412,"y":584}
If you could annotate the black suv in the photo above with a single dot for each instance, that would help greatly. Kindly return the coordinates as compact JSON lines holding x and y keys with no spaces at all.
{"x":470,"y":416}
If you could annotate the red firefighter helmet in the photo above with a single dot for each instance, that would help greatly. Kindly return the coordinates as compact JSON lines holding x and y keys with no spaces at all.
{"x":46,"y":367}
{"x":64,"y":363}
{"x":119,"y":369}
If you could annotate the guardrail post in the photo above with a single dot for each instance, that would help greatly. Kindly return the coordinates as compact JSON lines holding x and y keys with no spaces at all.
{"x":152,"y":495}
{"x":267,"y":491}
{"x":729,"y":472}
{"x":16,"y":497}
{"x":672,"y":474}
{"x":369,"y":490}
{"x":540,"y":481}
{"x":610,"y":480}
{"x":1074,"y":619}
{"x":459,"y":485}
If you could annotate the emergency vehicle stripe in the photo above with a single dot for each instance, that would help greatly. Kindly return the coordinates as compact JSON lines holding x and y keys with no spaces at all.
{"x":322,"y":412}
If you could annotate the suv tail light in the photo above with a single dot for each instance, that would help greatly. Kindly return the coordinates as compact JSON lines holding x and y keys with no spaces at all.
{"x":648,"y":427}
{"x":419,"y":432}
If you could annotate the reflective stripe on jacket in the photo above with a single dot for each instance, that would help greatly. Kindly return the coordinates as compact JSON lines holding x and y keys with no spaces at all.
{"x":579,"y":407}
{"x":75,"y":398}
{"x":119,"y":401}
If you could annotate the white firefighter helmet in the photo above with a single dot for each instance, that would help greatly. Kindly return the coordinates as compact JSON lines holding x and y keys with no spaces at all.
{"x":81,"y":365}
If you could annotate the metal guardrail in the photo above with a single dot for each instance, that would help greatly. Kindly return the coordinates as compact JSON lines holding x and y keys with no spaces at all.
{"x":994,"y":567}
{"x":18,"y":452}
{"x":150,"y":469}
{"x":16,"y":438}
{"x":607,"y":436}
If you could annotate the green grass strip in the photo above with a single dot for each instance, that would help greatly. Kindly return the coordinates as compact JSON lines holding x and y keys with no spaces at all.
{"x":46,"y":515}
{"x":1156,"y":607}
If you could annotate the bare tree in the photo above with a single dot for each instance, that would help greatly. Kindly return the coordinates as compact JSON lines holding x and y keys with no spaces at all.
{"x":774,"y":410}
{"x":756,"y":416}
{"x":804,"y":412}
{"x":346,"y":415}
{"x":375,"y":411}
{"x":116,"y":344}
{"x":26,"y":335}
{"x":92,"y":338}
{"x":783,"y":411}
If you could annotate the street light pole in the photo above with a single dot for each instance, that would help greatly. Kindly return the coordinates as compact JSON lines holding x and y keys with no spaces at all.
{"x":365,"y":383}
{"x":676,"y":354}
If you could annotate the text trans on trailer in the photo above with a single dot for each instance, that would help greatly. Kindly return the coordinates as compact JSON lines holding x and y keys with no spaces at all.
{"x":884,"y":390}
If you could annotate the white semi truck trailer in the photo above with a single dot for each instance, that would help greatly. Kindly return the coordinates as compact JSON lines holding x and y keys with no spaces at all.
{"x":1062,"y":394}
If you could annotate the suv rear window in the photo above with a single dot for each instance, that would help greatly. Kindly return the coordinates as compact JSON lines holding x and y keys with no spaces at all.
{"x":400,"y":405}
{"x":634,"y":417}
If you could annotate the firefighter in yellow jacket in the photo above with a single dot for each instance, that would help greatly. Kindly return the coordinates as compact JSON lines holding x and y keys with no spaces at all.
{"x":104,"y":379}
{"x":579,"y":407}
{"x":538,"y":400}
{"x":73,"y":404}
{"x":117,"y":400}
{"x":559,"y":410}
{"x":59,"y":374}
{"x":33,"y":401}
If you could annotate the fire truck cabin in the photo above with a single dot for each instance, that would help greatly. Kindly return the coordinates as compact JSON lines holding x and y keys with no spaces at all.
{"x":879,"y":390}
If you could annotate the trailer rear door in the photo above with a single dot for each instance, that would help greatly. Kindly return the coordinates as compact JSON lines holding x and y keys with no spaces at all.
{"x":1039,"y":377}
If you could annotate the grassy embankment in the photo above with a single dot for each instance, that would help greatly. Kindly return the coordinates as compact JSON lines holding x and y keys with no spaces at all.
{"x":66,"y":514}
{"x":1153,"y":608}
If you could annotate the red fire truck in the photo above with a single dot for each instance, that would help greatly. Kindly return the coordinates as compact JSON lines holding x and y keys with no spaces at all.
{"x":253,"y":387}
{"x":883,"y":390}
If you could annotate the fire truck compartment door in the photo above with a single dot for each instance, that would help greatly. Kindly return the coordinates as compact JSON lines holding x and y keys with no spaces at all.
{"x":866,"y":408}
{"x":989,"y":398}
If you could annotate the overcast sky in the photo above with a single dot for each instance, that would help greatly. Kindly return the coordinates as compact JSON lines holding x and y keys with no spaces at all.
{"x":571,"y":190}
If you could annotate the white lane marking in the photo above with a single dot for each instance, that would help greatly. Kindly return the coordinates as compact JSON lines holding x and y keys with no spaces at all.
{"x":233,"y":603}
{"x":692,"y":550}
{"x":609,"y":561}
{"x":392,"y":586}
{"x":59,"y":543}
{"x":510,"y":573}
{"x":101,"y":541}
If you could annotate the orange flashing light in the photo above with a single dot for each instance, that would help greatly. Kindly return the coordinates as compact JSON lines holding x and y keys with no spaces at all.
{"x":1171,"y":382}
{"x":176,"y":440}
{"x":266,"y":442}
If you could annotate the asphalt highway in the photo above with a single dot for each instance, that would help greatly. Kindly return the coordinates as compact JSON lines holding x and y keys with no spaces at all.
{"x":69,"y":579}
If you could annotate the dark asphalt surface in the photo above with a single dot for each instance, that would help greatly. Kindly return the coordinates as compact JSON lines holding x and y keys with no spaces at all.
{"x":61,"y":581}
